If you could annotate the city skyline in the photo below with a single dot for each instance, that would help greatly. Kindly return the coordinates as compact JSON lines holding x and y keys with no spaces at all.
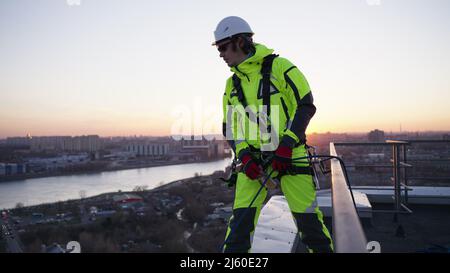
{"x":219,"y":134}
{"x":116,"y":69}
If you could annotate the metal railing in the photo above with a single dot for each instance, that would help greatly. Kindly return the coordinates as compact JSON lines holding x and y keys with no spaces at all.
{"x":348,"y":234}
{"x":400,"y":167}
{"x":429,"y":178}
{"x":399,"y":176}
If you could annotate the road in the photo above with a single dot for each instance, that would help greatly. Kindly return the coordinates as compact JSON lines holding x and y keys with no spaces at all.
{"x":10,"y":235}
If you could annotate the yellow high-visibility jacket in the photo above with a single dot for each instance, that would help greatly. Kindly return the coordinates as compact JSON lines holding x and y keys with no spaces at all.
{"x":291,"y":104}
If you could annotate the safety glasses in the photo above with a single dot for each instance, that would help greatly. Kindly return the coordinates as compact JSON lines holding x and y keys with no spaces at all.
{"x":223,"y":47}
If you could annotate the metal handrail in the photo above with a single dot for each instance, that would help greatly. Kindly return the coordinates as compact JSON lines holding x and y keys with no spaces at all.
{"x":348,"y":234}
{"x":400,"y":163}
{"x":398,"y":166}
{"x":347,"y":230}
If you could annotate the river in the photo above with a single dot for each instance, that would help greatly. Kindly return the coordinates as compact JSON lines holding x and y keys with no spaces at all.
{"x":60,"y":188}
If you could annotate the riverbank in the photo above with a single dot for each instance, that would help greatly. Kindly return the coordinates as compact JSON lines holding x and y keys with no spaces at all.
{"x":53,"y":189}
{"x":107,"y":169}
{"x":167,"y":214}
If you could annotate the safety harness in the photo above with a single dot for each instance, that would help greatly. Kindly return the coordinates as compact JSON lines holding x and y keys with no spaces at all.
{"x":266,"y":70}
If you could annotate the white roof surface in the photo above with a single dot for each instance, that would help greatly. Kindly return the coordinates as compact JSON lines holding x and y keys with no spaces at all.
{"x":418,"y":195}
{"x":276,"y":230}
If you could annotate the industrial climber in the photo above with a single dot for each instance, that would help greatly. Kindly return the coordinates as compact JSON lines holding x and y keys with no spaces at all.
{"x":269,"y":93}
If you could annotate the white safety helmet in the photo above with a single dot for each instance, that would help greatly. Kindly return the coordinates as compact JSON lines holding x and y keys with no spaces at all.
{"x":229,"y":27}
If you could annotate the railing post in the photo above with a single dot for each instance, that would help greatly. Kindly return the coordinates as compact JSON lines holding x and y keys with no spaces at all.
{"x":396,"y":174}
{"x":405,"y":174}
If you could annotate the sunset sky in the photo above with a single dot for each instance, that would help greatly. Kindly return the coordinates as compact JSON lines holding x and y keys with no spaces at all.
{"x":112,"y":67}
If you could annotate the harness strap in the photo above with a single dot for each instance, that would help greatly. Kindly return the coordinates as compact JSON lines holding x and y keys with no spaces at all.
{"x":300,"y":170}
{"x":240,"y":93}
{"x":266,"y":70}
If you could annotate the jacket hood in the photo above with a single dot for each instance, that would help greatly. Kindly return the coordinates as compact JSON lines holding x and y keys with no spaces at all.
{"x":252,"y":64}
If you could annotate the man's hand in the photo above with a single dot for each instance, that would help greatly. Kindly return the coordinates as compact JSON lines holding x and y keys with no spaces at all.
{"x":282,"y":159}
{"x":251,"y":168}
